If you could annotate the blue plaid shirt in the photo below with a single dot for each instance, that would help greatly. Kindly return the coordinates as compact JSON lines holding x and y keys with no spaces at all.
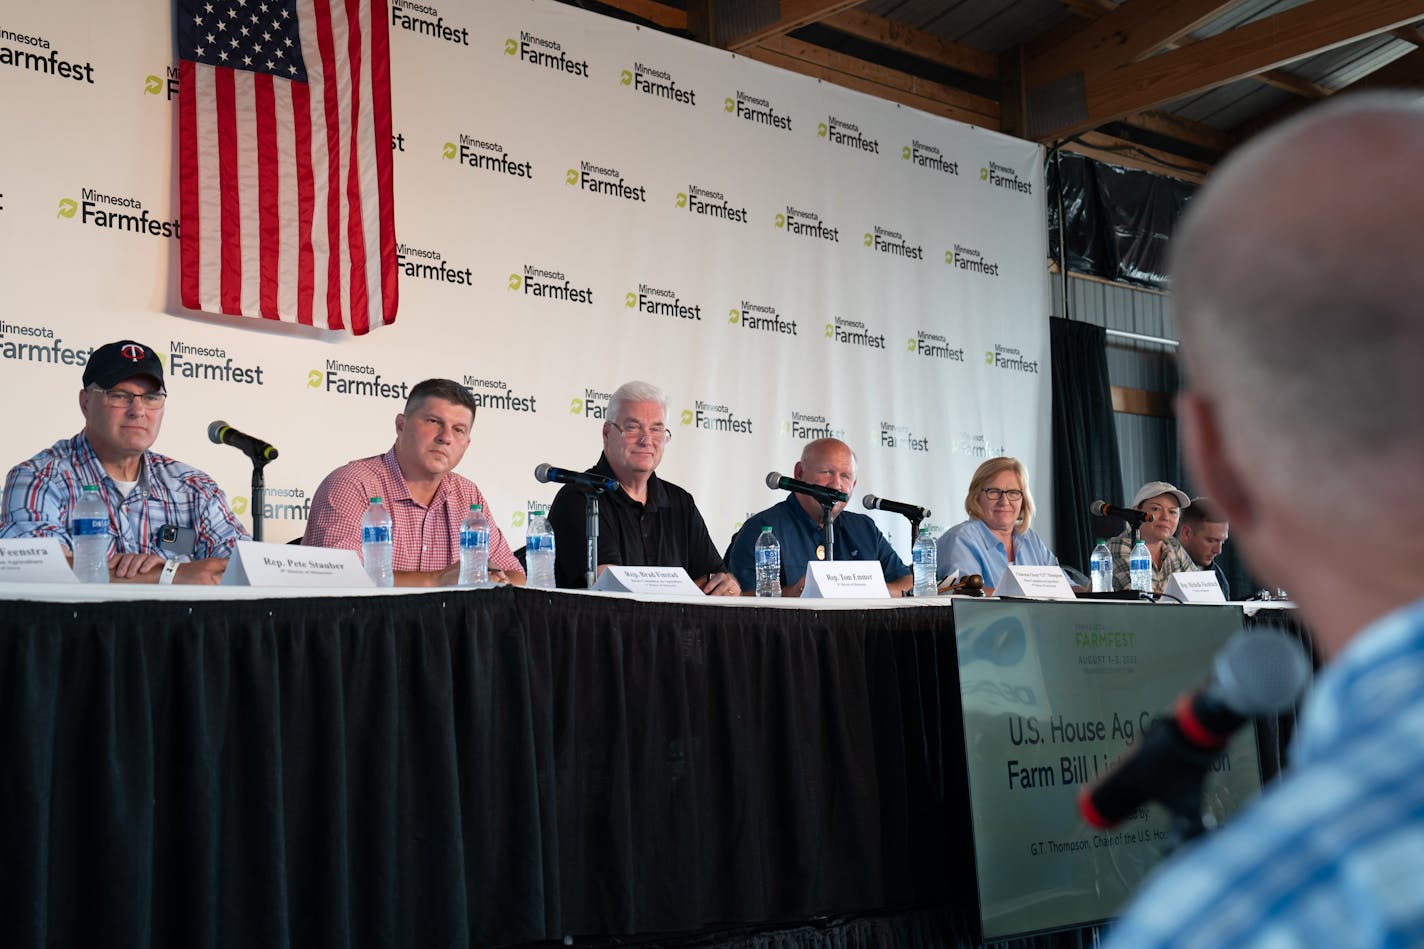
{"x":41,"y":493}
{"x":1333,"y":855}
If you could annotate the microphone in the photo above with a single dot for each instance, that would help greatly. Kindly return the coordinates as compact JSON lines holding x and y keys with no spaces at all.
{"x":779,"y":482}
{"x":914,"y":513}
{"x":1133,"y":517}
{"x":219,"y":433}
{"x":1258,"y":672}
{"x":546,"y":472}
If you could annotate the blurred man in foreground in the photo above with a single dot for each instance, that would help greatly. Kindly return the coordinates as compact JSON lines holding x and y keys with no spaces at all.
{"x":1297,"y":294}
{"x":796,"y":522}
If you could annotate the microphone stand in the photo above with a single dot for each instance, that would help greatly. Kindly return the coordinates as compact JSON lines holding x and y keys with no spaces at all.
{"x":828,"y":534}
{"x":590,"y":526}
{"x":259,"y":491}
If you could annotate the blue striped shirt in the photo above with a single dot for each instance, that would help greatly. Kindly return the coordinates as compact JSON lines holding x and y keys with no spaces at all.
{"x":41,"y":493}
{"x":970,"y":547}
{"x":1333,"y":855}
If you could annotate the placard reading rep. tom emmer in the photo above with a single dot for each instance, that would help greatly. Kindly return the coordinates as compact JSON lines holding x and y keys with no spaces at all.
{"x":1053,"y":694}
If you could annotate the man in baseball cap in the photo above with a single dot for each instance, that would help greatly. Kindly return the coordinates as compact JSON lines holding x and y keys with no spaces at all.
{"x":122,"y":402}
{"x":1164,"y":502}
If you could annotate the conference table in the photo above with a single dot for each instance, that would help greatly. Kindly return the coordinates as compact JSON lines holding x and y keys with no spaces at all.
{"x":237,"y":767}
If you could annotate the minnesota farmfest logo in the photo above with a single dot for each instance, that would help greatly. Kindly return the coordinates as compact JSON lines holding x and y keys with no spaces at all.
{"x":1011,"y":359}
{"x":546,"y":53}
{"x":1002,"y":176}
{"x":425,"y":20}
{"x":660,"y":301}
{"x":854,"y":333}
{"x":806,"y":426}
{"x":971,"y":260}
{"x":923,"y":155}
{"x":806,"y":224}
{"x":483,"y":155}
{"x":592,"y":404}
{"x":885,"y":241}
{"x":706,"y":202}
{"x":114,"y":212}
{"x":756,"y":110}
{"x":840,"y":132}
{"x":658,"y":83}
{"x":715,"y":417}
{"x":419,"y":263}
{"x":600,"y":180}
{"x":760,"y":318}
{"x":934,"y":346}
{"x":497,"y":394}
{"x":548,"y":284}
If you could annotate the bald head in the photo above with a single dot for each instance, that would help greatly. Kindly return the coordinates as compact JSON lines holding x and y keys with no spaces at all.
{"x":1297,"y":294}
{"x":1297,"y":290}
{"x":828,"y":462}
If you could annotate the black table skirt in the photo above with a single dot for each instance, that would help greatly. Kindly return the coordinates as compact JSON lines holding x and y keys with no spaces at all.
{"x":470,"y":768}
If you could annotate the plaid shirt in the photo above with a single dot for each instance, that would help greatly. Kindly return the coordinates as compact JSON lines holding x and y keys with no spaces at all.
{"x":41,"y":493}
{"x":425,"y":539}
{"x":1174,"y":560}
{"x":1332,"y":855}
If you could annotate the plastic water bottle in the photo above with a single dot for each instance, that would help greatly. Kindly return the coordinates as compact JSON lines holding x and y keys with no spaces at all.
{"x":1139,"y":564}
{"x":376,"y":544}
{"x":1100,"y":565}
{"x":539,"y":551}
{"x":924,"y":554}
{"x":768,"y":564}
{"x":89,"y":534}
{"x":474,"y":547}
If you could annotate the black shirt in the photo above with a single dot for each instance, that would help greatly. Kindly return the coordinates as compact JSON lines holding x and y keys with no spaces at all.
{"x":666,"y":532}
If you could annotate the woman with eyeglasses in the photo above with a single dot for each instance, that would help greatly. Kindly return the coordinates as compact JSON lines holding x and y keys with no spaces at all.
{"x":997,"y":533}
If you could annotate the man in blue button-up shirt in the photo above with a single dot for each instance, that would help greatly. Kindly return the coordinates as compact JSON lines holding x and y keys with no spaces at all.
{"x":796,"y":522}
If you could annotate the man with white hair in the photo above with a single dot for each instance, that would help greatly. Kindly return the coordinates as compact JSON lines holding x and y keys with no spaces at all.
{"x":648,"y":522}
{"x":1297,"y":294}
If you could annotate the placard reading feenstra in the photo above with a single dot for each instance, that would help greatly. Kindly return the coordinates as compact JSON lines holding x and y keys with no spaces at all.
{"x":1053,"y":694}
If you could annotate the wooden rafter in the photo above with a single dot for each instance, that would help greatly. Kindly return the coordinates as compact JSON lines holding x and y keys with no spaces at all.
{"x":794,"y":15}
{"x":1126,"y":34}
{"x":1244,"y":51}
{"x":906,"y":39}
{"x":892,"y":84}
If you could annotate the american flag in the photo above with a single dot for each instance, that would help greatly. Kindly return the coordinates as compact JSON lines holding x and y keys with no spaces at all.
{"x":284,"y":161}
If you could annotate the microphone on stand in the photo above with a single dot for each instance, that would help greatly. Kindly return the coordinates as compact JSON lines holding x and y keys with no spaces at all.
{"x":912,"y":511}
{"x":779,"y":482}
{"x":220,"y":433}
{"x":546,"y":472}
{"x":1133,"y":517}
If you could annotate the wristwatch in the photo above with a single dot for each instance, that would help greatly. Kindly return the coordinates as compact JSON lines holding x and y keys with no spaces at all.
{"x":170,"y":567}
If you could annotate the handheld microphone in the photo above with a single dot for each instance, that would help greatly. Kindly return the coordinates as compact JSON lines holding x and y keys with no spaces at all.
{"x":1258,"y":672}
{"x":546,"y":472}
{"x":1133,"y":517}
{"x":779,"y":482}
{"x":220,"y":433}
{"x":914,"y":513}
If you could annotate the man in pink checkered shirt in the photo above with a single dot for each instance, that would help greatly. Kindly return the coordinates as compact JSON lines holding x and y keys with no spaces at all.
{"x":416,"y":479}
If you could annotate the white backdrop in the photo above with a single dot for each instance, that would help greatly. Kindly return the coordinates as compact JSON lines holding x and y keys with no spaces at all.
{"x":821,"y":262}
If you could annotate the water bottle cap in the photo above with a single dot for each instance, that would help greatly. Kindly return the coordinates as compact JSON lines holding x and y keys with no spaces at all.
{"x":477,"y":507}
{"x":91,"y":487}
{"x":375,"y":500}
{"x":766,"y":529}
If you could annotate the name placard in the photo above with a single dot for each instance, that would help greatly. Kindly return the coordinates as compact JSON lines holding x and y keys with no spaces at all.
{"x":1040,"y":583}
{"x":1195,"y":586}
{"x":845,"y":579}
{"x":662,"y":581}
{"x":288,"y":565}
{"x":34,"y":560}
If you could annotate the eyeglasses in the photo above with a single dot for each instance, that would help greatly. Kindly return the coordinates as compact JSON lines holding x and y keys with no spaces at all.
{"x":122,"y":399}
{"x":634,"y":432}
{"x":1013,"y":494}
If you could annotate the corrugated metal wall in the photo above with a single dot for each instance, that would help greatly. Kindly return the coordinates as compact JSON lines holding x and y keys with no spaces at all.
{"x":1147,"y":446}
